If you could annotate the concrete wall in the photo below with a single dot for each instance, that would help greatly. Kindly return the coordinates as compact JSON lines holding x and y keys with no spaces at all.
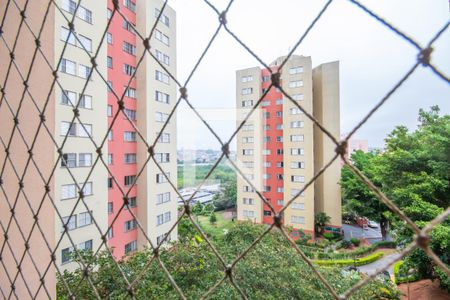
{"x":20,"y":227}
{"x":326,"y":111}
{"x":149,"y":126}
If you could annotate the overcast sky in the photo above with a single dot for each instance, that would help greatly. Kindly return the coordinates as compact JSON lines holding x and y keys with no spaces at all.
{"x":372,"y":58}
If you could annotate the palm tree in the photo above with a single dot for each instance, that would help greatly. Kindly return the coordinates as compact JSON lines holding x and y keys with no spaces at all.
{"x":320,"y":220}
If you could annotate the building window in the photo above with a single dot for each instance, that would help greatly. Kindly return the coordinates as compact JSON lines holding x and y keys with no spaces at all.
{"x":297,"y":220}
{"x":109,"y":38}
{"x":248,"y":214}
{"x":68,"y":97}
{"x":265,"y":78}
{"x":87,"y":189}
{"x":85,"y":160}
{"x":247,"y":78}
{"x":297,"y":165}
{"x":247,"y":127}
{"x":279,"y":101}
{"x":69,"y":160}
{"x":297,"y":124}
{"x":280,"y":177}
{"x":86,"y":101}
{"x":110,"y":234}
{"x":110,"y":183}
{"x":266,"y":176}
{"x":69,"y":6}
{"x":279,"y":139}
{"x":247,"y":103}
{"x":109,"y":85}
{"x":68,"y":191}
{"x":247,"y":151}
{"x":129,"y":158}
{"x":161,"y":178}
{"x":279,"y":114}
{"x":84,"y":14}
{"x":84,"y":219}
{"x":248,"y":164}
{"x":67,"y":36}
{"x":163,"y":198}
{"x":110,"y":207}
{"x":85,"y":43}
{"x":280,"y":164}
{"x":85,"y":130}
{"x":130,"y":92}
{"x":163,"y":218}
{"x":300,"y":206}
{"x":130,"y":225}
{"x":247,"y":91}
{"x":128,"y":26}
{"x":297,"y":138}
{"x":71,"y":222}
{"x":297,"y":178}
{"x":163,"y":58}
{"x":162,"y":237}
{"x":164,"y":138}
{"x":162,"y":37}
{"x":131,"y":247}
{"x":162,"y":97}
{"x":86,"y":246}
{"x":295,"y":70}
{"x":68,"y":67}
{"x":280,"y":189}
{"x":247,"y":188}
{"x":69,"y":129}
{"x":279,"y":126}
{"x":248,"y":201}
{"x":132,"y":202}
{"x":129,"y":136}
{"x":66,"y":255}
{"x":129,"y":70}
{"x":110,"y":159}
{"x":296,"y":84}
{"x":248,"y":139}
{"x":280,"y":151}
{"x":84,"y":71}
{"x":266,"y":127}
{"x":266,"y":115}
{"x":266,"y":152}
{"x":109,"y":13}
{"x":295,"y":111}
{"x":161,"y":117}
{"x":129,"y":48}
{"x":266,"y":139}
{"x":267,"y":164}
{"x":298,"y":97}
{"x":131,"y":6}
{"x":109,"y":110}
{"x":297,"y":151}
{"x":129,"y":180}
{"x":109,"y":62}
{"x":130,"y":113}
{"x":267,"y":213}
{"x":162,"y":157}
{"x":110,"y":135}
{"x":163,"y":19}
{"x":267,"y":188}
{"x":163,"y":77}
{"x":280,"y":202}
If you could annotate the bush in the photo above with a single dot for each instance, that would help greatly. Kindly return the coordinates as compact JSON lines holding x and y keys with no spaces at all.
{"x":346,"y":244}
{"x":443,"y":278}
{"x":386,"y":244}
{"x":400,"y":273}
{"x":355,"y":241}
{"x":328,"y":236}
{"x":349,"y":262}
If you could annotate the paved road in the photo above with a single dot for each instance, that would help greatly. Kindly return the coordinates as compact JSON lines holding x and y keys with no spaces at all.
{"x":371,"y":268}
{"x":371,"y":234}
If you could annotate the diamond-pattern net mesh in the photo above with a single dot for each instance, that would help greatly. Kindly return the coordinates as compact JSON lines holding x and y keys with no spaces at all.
{"x":19,"y":10}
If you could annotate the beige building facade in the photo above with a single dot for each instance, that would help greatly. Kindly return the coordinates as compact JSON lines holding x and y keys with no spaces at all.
{"x":285,"y":147}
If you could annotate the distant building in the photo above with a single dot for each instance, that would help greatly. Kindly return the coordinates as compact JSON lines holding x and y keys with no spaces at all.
{"x":279,"y":149}
{"x":354,"y":145}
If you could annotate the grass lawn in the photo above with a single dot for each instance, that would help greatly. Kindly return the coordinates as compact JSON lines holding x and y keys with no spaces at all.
{"x":216,"y":229}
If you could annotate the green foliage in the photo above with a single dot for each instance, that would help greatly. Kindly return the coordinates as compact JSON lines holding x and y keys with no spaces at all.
{"x":346,"y":244}
{"x":413,"y":171}
{"x":197,"y":208}
{"x":401,"y":273}
{"x":320,"y":220}
{"x":329,"y":236}
{"x":271,"y":270}
{"x":191,"y":175}
{"x":227,"y":196}
{"x":212,"y":218}
{"x":350,"y":262}
{"x":355,"y":241}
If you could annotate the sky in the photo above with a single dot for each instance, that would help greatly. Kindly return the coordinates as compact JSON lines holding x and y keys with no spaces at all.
{"x":372,"y":59}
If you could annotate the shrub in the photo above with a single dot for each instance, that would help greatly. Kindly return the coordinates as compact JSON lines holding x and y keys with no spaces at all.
{"x":346,"y":244}
{"x":443,"y":278}
{"x":355,"y":241}
{"x":400,"y":273}
{"x":348,"y":262}
{"x":328,"y":236}
{"x":386,"y":244}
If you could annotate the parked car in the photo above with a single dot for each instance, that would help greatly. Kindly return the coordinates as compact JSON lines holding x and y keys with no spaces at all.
{"x":372,"y":224}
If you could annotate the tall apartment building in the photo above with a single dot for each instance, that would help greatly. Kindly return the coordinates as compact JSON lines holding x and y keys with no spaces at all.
{"x":148,"y":101}
{"x":280,"y":149}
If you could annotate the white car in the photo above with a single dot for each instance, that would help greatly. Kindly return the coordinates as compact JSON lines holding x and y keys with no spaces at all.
{"x":372,"y":224}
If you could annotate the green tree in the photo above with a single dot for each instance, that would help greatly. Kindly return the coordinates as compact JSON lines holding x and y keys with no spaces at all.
{"x":227,"y":196}
{"x":212,"y":218}
{"x":321,"y":219}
